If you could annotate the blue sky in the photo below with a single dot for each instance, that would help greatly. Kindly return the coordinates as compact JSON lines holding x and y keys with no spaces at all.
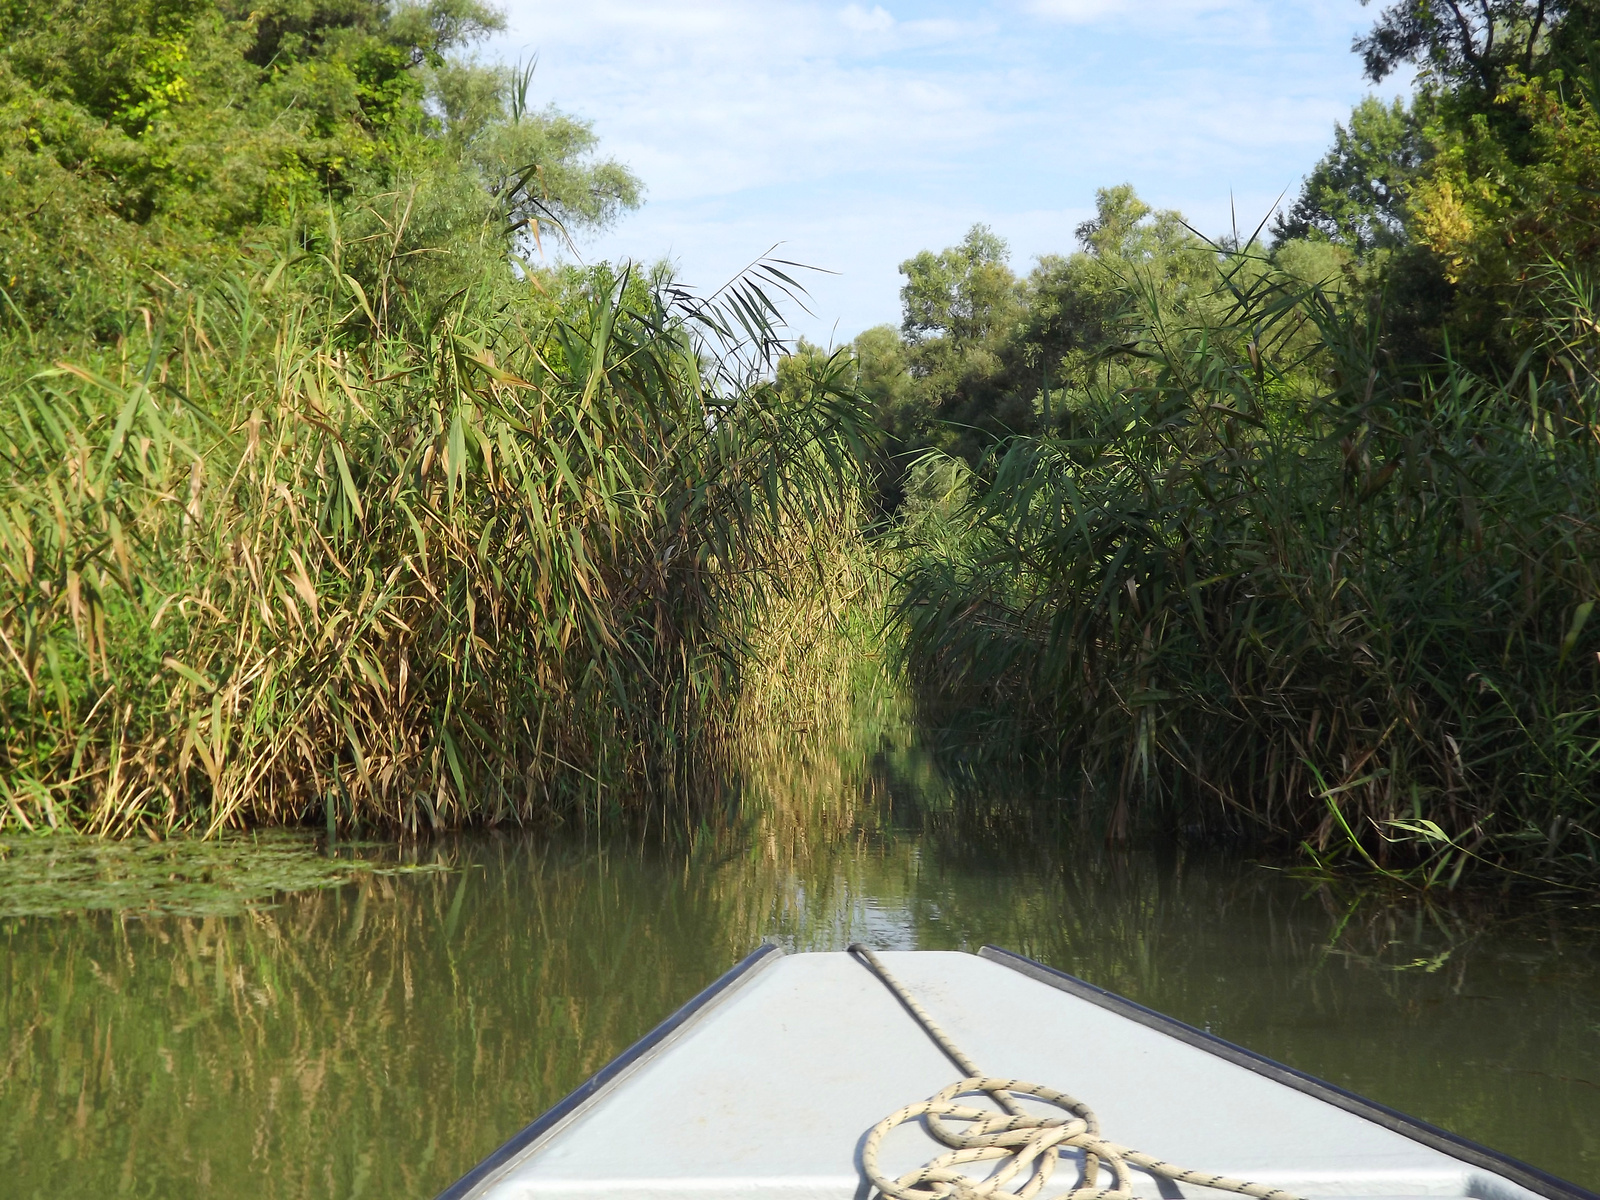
{"x":858,"y":134}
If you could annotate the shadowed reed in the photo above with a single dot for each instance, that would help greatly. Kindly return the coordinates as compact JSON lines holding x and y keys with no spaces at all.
{"x":311,"y":548}
{"x":1274,"y":585}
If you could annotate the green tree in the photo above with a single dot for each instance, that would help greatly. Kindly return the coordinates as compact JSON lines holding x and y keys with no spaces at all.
{"x":1076,"y":304}
{"x":960,"y":310}
{"x":1504,"y":116}
{"x":540,"y":164}
{"x":883,"y":379}
{"x":1474,"y":44}
{"x":984,"y":355}
{"x":144,"y":141}
{"x":1356,"y":195}
{"x":1126,"y":229}
{"x":1506,"y":225}
{"x":965,"y":292}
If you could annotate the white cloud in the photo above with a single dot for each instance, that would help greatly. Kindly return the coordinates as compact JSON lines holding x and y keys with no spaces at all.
{"x":859,"y":20}
{"x":1077,"y":10}
{"x":747,"y":96}
{"x":860,"y":135}
{"x":1145,"y":11}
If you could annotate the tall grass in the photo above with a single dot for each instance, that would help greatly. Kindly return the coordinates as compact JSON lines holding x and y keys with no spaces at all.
{"x":1277,"y":585}
{"x":315,"y":545}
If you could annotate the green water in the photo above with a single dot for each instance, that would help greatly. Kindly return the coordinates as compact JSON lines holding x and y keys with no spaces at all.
{"x":376,"y":1035}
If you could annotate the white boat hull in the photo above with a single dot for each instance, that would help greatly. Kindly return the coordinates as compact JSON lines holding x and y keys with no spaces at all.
{"x":765,"y":1085}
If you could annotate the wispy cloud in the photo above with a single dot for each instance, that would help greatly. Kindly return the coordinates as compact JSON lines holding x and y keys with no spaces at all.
{"x":863,"y":132}
{"x":1174,"y":17}
{"x":740,"y":96}
{"x":859,"y":20}
{"x":1076,"y":11}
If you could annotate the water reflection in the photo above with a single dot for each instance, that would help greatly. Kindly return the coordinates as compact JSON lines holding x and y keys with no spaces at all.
{"x":375,"y":1039}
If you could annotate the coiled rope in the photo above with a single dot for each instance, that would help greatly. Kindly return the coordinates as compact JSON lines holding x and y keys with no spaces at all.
{"x":1023,"y":1143}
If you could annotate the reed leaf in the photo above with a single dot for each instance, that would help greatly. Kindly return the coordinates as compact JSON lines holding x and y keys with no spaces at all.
{"x":1276,"y":586}
{"x":282,"y":557}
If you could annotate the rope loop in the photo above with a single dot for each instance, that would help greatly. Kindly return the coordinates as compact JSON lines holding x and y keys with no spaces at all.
{"x":1026,"y":1143}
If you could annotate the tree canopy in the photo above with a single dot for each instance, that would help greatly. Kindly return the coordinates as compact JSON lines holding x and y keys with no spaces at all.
{"x":1356,"y":194}
{"x":1476,"y":44}
{"x":160,"y":134}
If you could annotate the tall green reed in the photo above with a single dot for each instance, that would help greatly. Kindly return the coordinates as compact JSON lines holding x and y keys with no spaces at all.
{"x":316,"y":545}
{"x":1278,"y":586}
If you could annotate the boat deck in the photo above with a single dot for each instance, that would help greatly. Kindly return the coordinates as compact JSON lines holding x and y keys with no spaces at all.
{"x":768,"y":1087}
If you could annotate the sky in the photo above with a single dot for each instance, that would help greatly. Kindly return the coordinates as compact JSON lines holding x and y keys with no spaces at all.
{"x":852,"y":136}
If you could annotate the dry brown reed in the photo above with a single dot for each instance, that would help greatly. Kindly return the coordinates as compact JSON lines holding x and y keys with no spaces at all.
{"x":309,"y":546}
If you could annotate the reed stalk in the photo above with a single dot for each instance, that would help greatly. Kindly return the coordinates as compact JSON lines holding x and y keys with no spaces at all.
{"x":316,"y":546}
{"x":1275,"y":586}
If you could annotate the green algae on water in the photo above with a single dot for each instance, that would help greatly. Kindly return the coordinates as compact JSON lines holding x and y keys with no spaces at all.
{"x":224,"y":876}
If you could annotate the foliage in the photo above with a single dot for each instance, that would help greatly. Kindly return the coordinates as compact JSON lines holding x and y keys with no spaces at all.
{"x":983,"y":355}
{"x":1498,"y":215}
{"x":960,"y":306}
{"x":966,"y":292}
{"x":539,"y":166}
{"x":325,"y":499}
{"x":1286,"y":590}
{"x":305,"y":549}
{"x":1356,"y":195}
{"x":173,"y":135}
{"x":1476,"y":46}
{"x":1302,"y":549}
{"x":1454,"y":204}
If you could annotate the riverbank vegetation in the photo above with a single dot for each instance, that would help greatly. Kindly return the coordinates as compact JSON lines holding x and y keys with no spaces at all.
{"x":1289,"y":536}
{"x":329,"y":500}
{"x":349,"y":512}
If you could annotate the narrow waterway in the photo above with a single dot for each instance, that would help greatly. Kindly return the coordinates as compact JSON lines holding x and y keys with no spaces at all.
{"x":375,"y":1039}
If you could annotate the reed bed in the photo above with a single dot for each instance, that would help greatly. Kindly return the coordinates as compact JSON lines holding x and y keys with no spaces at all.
{"x":1276,"y":586}
{"x":312,"y":545}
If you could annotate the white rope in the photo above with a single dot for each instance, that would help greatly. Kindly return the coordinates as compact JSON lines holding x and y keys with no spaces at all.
{"x":1025,"y":1144}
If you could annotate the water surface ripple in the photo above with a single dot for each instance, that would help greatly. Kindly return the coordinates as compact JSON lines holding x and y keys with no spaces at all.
{"x":375,"y":1038}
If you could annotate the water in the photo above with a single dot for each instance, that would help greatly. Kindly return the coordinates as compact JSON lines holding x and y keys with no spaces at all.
{"x":375,"y":1039}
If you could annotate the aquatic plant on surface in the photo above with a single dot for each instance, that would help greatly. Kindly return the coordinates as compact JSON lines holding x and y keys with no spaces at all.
{"x":185,"y":877}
